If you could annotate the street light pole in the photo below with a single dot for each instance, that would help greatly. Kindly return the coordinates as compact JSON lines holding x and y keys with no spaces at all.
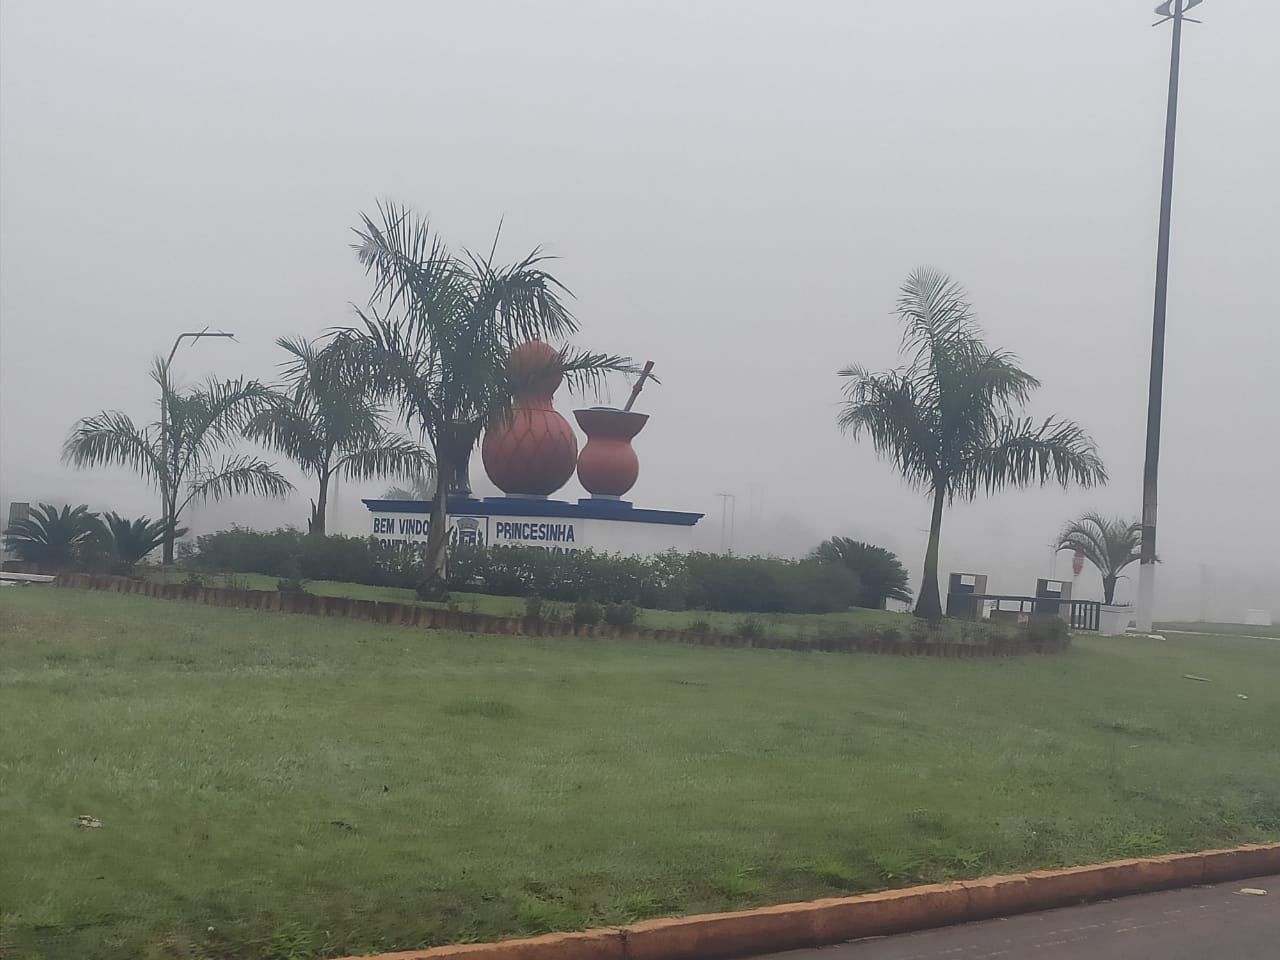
{"x":729,"y":511}
{"x":168,"y":496}
{"x":1174,"y":10}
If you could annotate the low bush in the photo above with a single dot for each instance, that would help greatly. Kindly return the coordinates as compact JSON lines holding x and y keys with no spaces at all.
{"x":533,"y":608}
{"x":621,"y":614}
{"x":291,"y":554}
{"x":277,"y":553}
{"x":586,"y":613}
{"x":1048,"y":633}
{"x":670,"y":581}
{"x":768,"y":585}
{"x":348,"y":560}
{"x":882,"y":574}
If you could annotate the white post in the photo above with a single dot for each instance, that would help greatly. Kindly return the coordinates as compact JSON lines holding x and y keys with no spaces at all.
{"x":1146,"y":596}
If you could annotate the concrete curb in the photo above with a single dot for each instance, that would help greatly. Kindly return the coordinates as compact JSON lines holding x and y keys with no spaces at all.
{"x":793,"y":926}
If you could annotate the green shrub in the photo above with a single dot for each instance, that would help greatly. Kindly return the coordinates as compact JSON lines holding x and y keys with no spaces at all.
{"x":586,"y":613}
{"x":291,"y":585}
{"x":277,"y":553}
{"x":346,"y":559}
{"x":533,"y":608}
{"x":621,"y":614}
{"x":769,"y":585}
{"x":290,"y":554}
{"x":670,"y":581}
{"x":55,"y":540}
{"x":1048,"y":633}
{"x":983,"y":632}
{"x":749,"y":629}
{"x":882,"y":574}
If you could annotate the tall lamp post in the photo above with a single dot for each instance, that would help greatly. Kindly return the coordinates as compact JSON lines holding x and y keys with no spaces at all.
{"x":729,"y":507}
{"x":1175,"y":11}
{"x":169,"y":496}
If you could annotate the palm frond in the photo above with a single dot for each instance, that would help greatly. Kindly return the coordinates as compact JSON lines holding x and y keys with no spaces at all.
{"x":384,"y":357}
{"x":304,"y":358}
{"x":986,"y":384}
{"x":585,"y":371}
{"x":936,"y":316}
{"x":884,"y":406}
{"x":207,"y":418}
{"x":236,"y":475}
{"x":111,"y":439}
{"x":1085,"y":539}
{"x":528,"y":302}
{"x":160,"y":375}
{"x":393,"y":456}
{"x":421,"y":488}
{"x":292,"y":427}
{"x":411,"y":266}
{"x":1022,"y":452}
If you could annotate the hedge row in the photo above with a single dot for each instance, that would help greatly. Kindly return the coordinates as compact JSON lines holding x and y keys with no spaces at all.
{"x":668,"y":581}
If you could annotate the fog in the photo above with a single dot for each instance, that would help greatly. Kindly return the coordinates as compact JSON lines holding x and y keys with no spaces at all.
{"x":735,"y":190}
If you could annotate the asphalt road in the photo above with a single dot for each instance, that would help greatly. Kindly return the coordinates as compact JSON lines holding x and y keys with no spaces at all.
{"x":1199,"y":923}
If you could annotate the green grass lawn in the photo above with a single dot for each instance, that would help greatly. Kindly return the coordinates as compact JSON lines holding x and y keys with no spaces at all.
{"x":275,"y":786}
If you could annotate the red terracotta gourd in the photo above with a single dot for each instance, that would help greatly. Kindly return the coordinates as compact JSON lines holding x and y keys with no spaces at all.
{"x":533,"y":453}
{"x":608,"y":466}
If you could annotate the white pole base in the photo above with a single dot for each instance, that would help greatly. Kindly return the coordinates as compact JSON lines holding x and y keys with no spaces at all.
{"x":1146,"y":597}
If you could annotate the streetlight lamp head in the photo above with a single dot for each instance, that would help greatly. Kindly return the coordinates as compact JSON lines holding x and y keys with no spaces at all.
{"x":1175,"y":9}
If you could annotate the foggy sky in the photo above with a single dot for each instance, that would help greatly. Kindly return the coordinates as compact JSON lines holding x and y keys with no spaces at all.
{"x":735,"y":190}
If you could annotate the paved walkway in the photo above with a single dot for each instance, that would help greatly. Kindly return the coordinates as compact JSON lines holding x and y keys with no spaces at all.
{"x":1225,"y":636}
{"x":1198,"y":923}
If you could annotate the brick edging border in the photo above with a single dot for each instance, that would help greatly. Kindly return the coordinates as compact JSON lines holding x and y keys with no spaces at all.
{"x":430,"y":618}
{"x":819,"y":923}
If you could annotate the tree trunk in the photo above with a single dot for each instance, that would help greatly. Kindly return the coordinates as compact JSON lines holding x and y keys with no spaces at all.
{"x":1109,"y":589}
{"x":929,"y":603}
{"x":170,"y":505}
{"x":166,"y":500}
{"x":319,"y":508}
{"x":435,"y":582}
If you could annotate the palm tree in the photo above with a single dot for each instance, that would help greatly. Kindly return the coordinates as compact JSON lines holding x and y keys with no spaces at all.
{"x":435,"y":341}
{"x":52,"y":538}
{"x":882,"y":574}
{"x":421,"y":487}
{"x":331,"y":429}
{"x":126,"y":542}
{"x":178,"y":453}
{"x":950,"y":419}
{"x":1110,"y":544}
